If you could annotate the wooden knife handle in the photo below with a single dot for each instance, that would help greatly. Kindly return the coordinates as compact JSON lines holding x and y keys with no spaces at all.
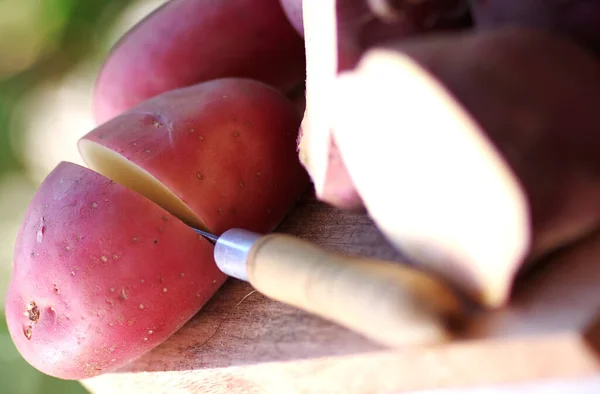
{"x":390,"y":303}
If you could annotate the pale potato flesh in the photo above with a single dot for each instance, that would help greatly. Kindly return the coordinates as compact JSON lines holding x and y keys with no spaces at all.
{"x":116,"y":167}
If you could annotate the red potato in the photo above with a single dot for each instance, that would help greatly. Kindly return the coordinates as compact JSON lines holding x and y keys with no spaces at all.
{"x":494,"y":158}
{"x":191,"y":41}
{"x":578,"y":19}
{"x":101,"y":275}
{"x":337,"y":33}
{"x":219,"y":154}
{"x":102,"y":272}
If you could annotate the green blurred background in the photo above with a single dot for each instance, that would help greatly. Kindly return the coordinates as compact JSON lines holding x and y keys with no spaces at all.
{"x":50,"y":54}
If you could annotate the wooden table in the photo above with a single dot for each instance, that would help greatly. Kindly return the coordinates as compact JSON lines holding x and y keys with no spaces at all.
{"x":242,"y":342}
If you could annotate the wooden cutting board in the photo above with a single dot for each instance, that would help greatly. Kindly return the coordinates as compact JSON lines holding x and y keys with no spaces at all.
{"x":547,"y":341}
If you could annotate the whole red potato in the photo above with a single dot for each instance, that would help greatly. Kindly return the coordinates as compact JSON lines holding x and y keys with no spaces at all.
{"x":186,"y":42}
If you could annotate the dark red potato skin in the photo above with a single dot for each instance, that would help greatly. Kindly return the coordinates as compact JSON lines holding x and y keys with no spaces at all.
{"x":111,"y":274}
{"x":101,"y":274}
{"x":293,"y":11}
{"x":187,"y":42}
{"x":578,"y":19}
{"x":360,"y":28}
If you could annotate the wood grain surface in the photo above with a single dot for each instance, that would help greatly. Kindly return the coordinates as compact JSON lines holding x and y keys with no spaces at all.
{"x":242,"y":342}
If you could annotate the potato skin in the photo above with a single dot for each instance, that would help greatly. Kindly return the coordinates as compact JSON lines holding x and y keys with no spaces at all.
{"x":226,"y":148}
{"x":293,"y":11}
{"x":101,"y":275}
{"x":535,"y":95}
{"x":577,"y":19}
{"x":191,"y":41}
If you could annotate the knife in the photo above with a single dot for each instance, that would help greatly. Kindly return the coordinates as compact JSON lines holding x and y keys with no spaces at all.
{"x":388,"y":302}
